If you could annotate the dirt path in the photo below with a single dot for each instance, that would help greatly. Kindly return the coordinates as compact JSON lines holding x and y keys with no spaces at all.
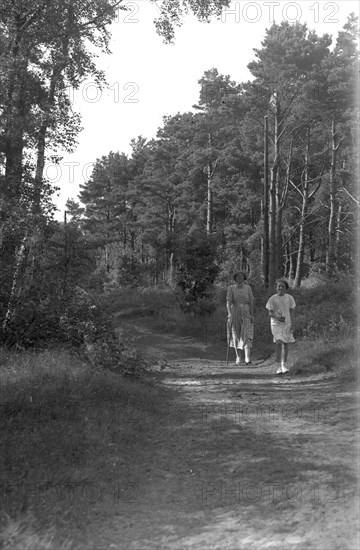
{"x":243,"y":460}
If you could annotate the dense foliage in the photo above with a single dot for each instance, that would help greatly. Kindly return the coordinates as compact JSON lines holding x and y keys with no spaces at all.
{"x":48,"y":269}
{"x":205,"y":172}
{"x":188,"y":206}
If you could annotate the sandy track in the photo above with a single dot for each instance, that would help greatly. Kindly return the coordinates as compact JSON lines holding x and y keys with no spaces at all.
{"x":243,"y":460}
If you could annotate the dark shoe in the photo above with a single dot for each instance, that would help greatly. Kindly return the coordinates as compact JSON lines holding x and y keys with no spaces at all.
{"x":248,"y":363}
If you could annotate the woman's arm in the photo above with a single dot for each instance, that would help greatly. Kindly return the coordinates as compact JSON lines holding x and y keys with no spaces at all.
{"x":276,"y":316}
{"x":251,"y":303}
{"x":229,"y":300}
{"x":291,"y":312}
{"x":251,"y":307}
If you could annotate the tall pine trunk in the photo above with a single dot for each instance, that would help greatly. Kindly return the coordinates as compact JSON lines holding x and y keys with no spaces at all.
{"x":265,"y":206}
{"x":331,"y":258}
{"x":209,"y":201}
{"x":274,"y":175}
{"x":304,"y":209}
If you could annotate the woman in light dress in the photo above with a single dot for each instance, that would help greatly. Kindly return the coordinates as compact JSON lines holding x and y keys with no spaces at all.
{"x":240,"y":325}
{"x":281,"y":311}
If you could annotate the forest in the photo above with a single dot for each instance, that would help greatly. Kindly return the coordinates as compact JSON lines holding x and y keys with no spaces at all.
{"x":260,"y":176}
{"x":263,"y":173}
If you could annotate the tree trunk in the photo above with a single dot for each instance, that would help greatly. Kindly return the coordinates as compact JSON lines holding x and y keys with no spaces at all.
{"x":55,"y":76}
{"x":311,"y":247}
{"x":272,"y":225}
{"x":265,"y":205}
{"x":291,"y":274}
{"x":209,"y":193}
{"x":278,"y":233}
{"x":304,"y":209}
{"x":37,"y":236}
{"x":301,"y":249}
{"x":338,"y":232}
{"x":16,"y":285}
{"x":210,"y":169}
{"x":274,"y":184}
{"x":171,"y":268}
{"x":286,"y":259}
{"x":15,"y":115}
{"x":334,"y":204}
{"x":209,"y":201}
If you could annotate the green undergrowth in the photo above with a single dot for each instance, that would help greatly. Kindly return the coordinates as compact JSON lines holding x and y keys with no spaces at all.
{"x":328,"y":357}
{"x":64,"y":423}
{"x":325,"y":312}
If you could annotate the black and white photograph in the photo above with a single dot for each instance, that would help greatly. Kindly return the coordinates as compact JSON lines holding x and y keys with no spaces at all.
{"x":179,"y":275}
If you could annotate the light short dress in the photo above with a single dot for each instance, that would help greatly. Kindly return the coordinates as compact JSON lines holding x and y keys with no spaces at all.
{"x":241,"y":330}
{"x":281,"y":305}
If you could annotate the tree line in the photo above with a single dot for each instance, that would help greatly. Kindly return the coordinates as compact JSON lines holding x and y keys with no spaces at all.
{"x":260,"y":175}
{"x":264,"y":171}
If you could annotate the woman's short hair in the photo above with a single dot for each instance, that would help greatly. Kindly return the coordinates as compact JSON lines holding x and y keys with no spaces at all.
{"x":284,"y":281}
{"x":240,"y":273}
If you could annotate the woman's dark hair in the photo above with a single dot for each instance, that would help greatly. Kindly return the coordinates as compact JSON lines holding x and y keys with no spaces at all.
{"x":238,"y":273}
{"x":284,"y":281}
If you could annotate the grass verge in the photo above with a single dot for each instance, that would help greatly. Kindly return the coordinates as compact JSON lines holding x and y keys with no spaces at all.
{"x":69,"y":436}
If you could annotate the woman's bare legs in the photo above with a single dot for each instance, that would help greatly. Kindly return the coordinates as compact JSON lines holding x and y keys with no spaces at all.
{"x":247,"y":353}
{"x":284,"y":357}
{"x":237,"y":353}
{"x":278,"y":355}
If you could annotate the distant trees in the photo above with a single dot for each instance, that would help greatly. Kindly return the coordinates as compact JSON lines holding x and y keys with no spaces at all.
{"x":204,"y":172}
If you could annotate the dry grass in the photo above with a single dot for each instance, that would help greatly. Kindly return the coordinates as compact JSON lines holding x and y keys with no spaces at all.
{"x":58,"y":416}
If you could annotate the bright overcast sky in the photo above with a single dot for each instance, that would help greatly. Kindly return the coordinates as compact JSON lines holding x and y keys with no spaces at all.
{"x":149,"y":79}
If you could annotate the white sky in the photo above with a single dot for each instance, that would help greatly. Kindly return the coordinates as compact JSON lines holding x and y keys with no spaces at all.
{"x":149,"y":79}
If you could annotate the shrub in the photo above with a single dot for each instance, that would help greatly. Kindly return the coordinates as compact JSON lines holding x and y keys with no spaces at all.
{"x":196,"y":274}
{"x":83,"y":321}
